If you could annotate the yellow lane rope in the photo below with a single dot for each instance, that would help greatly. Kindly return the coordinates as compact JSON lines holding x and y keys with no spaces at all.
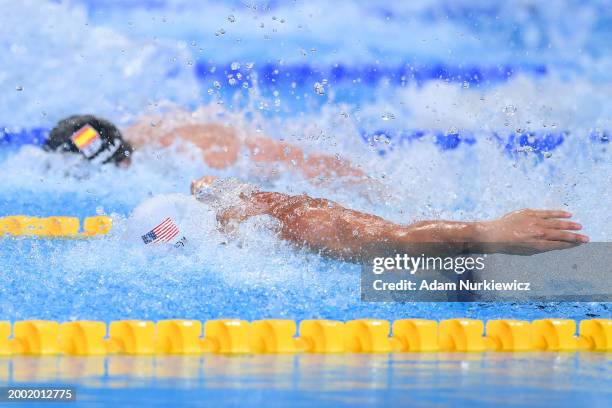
{"x":54,"y":227}
{"x":233,"y":336}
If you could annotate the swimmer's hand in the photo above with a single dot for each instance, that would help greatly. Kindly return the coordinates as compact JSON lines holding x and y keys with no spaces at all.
{"x":527,"y":232}
{"x":201,"y":183}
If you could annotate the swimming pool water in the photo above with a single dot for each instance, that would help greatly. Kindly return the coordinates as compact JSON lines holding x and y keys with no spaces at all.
{"x":420,"y":380}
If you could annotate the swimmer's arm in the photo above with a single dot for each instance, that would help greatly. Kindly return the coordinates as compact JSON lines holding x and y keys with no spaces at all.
{"x":336,"y":231}
{"x":520,"y":232}
{"x":311,"y":166}
{"x":220,"y":146}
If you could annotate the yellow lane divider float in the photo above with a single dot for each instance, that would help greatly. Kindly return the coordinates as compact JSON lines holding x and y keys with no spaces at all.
{"x":54,"y":227}
{"x":136,"y":337}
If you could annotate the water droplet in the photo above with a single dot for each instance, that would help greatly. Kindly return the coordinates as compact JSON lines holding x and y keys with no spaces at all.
{"x":509,"y":110}
{"x":547,"y":155}
{"x":319,"y":88}
{"x":19,"y":88}
{"x":217,"y":85}
{"x":245,"y":85}
{"x":231,"y":18}
{"x":220,"y":32}
{"x":232,"y":81}
{"x":466,"y":84}
{"x":387,"y":116}
{"x":235,"y":66}
{"x":249,"y":65}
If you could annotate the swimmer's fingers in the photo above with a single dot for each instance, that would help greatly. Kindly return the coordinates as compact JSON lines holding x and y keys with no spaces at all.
{"x":561,"y":225}
{"x":550,"y":214}
{"x":564,"y":236}
{"x":205,"y":181}
{"x":543,"y":246}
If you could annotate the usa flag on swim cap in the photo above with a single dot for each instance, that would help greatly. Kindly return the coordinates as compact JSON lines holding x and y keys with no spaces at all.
{"x":164,"y":232}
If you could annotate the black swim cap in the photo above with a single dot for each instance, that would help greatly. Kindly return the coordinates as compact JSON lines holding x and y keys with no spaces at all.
{"x":95,"y":138}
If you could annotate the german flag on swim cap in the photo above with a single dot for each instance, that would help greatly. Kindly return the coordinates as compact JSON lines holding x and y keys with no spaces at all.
{"x":95,"y":138}
{"x":87,"y":140}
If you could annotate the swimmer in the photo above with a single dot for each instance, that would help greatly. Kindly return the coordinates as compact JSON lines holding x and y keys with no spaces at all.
{"x":335,"y":231}
{"x":100,"y":141}
{"x":318,"y":224}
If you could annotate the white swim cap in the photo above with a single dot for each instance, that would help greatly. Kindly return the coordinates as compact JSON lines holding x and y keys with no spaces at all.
{"x":164,"y":219}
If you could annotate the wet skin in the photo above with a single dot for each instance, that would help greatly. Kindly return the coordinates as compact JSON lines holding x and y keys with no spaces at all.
{"x":327,"y":227}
